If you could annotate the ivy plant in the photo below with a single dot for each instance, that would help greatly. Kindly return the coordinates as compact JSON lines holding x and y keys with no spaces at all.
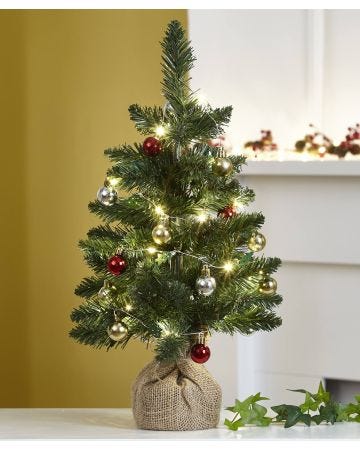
{"x":317,"y":408}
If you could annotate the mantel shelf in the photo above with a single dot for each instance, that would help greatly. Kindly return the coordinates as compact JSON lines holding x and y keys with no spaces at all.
{"x":111,"y":423}
{"x":302,"y":168}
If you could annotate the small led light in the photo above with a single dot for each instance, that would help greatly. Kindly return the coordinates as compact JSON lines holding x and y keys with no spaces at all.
{"x":238,"y":204}
{"x":159,"y":210}
{"x":201,"y":217}
{"x":165,"y":331}
{"x":112,"y":181}
{"x":160,"y":131}
{"x":128,"y":307}
{"x":228,"y":266}
{"x":151,"y":250}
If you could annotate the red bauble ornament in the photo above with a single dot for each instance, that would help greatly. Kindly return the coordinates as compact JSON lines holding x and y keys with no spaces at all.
{"x":227,"y":212}
{"x":151,"y":146}
{"x":200,"y":353}
{"x":116,"y":265}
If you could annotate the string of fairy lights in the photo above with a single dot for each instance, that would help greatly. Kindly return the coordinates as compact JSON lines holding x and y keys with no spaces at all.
{"x":205,"y":284}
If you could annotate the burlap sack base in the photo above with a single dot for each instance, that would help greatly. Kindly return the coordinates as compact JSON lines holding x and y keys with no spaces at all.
{"x":176,"y":397}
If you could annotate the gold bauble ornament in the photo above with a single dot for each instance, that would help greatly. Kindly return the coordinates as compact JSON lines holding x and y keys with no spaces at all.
{"x":268,"y":286}
{"x":257,"y":242}
{"x":117,"y":331}
{"x":222,"y":167}
{"x":161,"y":234}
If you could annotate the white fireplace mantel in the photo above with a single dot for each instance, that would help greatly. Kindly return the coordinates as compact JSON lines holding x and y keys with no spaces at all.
{"x":97,"y":423}
{"x":341,"y":168}
{"x":312,"y":222}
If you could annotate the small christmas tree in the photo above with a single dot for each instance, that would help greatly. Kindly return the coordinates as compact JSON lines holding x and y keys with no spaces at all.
{"x":175,"y":258}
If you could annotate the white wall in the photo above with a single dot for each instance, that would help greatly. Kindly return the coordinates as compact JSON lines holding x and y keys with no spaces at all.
{"x":281,"y":70}
{"x":255,"y":61}
{"x":341,"y":103}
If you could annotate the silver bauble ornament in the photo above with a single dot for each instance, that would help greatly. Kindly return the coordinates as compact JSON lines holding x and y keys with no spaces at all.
{"x":117,"y":331}
{"x":257,"y":242}
{"x":106,"y":195}
{"x":205,"y":284}
{"x":161,"y":234}
{"x":222,"y":166}
{"x":268,"y":286}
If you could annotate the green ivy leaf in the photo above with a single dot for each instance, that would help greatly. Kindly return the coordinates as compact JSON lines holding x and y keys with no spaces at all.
{"x":322,"y":395}
{"x":249,"y":412}
{"x":258,"y":416}
{"x":329,"y":412}
{"x":306,"y":419}
{"x":257,"y":398}
{"x":317,"y":419}
{"x":352,"y":410}
{"x":341,"y":413}
{"x":230,"y":408}
{"x":309,"y":404}
{"x":291,"y":414}
{"x":233,"y":425}
{"x":302,"y":391}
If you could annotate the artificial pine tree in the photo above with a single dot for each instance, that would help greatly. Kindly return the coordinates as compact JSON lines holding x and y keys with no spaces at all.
{"x":175,"y":258}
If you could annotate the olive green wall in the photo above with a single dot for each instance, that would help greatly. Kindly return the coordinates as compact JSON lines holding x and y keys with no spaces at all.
{"x":66,"y":90}
{"x":14,"y":368}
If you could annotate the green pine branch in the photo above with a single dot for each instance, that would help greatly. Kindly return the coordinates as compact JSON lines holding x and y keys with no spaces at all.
{"x":177,"y":61}
{"x":146,"y":118}
{"x":171,"y":348}
{"x":254,"y":319}
{"x":89,"y":287}
{"x":131,"y":211}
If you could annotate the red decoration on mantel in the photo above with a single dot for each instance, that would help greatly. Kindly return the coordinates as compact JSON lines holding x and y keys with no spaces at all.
{"x":200,"y":353}
{"x":265,"y":143}
{"x":151,"y":146}
{"x":351,"y":143}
